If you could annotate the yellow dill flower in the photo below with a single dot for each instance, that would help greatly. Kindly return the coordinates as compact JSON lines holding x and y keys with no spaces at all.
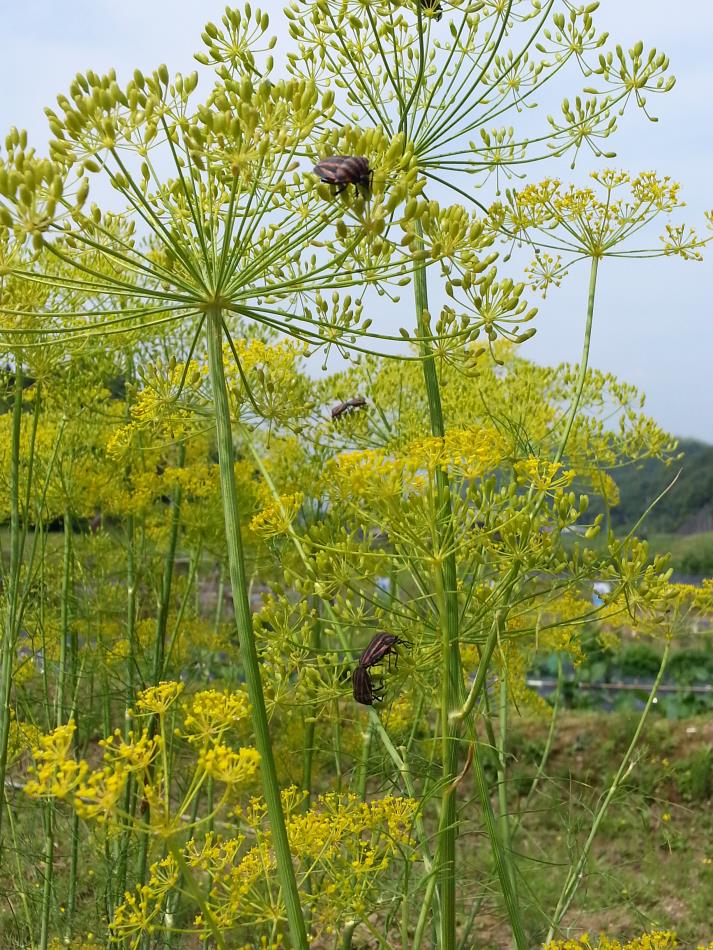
{"x":86,"y":943}
{"x":215,"y":854}
{"x":23,"y":737}
{"x":656,"y":940}
{"x":98,"y":797}
{"x":158,"y":699}
{"x":277,"y":517}
{"x":211,"y":713}
{"x":356,"y":475}
{"x":133,"y":755}
{"x":470,"y":452}
{"x":543,"y":474}
{"x":56,"y":772}
{"x":221,"y":763}
{"x":142,"y":911}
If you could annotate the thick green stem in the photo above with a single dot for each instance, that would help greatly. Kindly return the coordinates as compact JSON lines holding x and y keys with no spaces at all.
{"x":243,"y":618}
{"x":452,"y":681}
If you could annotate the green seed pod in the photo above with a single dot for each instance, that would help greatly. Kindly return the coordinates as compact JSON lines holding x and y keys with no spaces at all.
{"x":82,"y":192}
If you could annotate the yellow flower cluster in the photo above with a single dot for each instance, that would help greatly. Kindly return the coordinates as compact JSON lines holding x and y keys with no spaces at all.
{"x":656,"y":940}
{"x":210,"y":714}
{"x":164,"y":406}
{"x":57,"y":773}
{"x":158,"y":699}
{"x":22,"y":737}
{"x":467,"y":453}
{"x":277,"y":517}
{"x":347,"y":842}
{"x":93,"y":794}
{"x":97,"y":793}
{"x":543,"y":474}
{"x":141,"y":912}
{"x":221,"y":763}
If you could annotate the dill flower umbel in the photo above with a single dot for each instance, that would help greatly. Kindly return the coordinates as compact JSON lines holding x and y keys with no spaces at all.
{"x":211,"y":713}
{"x":158,"y":699}
{"x":56,"y":772}
{"x":277,"y":517}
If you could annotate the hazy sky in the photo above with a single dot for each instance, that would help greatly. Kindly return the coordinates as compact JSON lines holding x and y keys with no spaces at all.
{"x":653,"y":319}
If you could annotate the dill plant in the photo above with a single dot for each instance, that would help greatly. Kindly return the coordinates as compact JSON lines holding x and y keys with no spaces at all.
{"x":232,"y":234}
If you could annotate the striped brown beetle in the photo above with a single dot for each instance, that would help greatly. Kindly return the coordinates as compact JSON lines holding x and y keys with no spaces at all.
{"x":357,"y":402}
{"x":345,"y":170}
{"x":363,"y":688}
{"x":383,"y":644}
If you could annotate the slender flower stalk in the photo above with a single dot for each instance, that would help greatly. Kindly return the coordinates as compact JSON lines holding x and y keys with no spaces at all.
{"x":11,"y":591}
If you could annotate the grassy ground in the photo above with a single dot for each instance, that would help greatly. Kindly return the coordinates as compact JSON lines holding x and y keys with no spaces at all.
{"x":652,"y":863}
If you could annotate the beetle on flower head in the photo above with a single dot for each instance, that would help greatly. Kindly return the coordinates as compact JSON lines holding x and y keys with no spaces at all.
{"x":383,"y":644}
{"x":345,"y":170}
{"x":356,"y":402}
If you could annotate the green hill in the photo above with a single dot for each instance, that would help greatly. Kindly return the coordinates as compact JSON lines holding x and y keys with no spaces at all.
{"x":687,"y":508}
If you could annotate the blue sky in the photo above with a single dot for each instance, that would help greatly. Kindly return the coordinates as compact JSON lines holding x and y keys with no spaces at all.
{"x":653,"y":319}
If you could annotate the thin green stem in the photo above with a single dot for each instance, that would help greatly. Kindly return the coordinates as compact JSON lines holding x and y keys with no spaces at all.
{"x":579,"y":386}
{"x":11,"y":590}
{"x":48,"y":873}
{"x":364,"y":761}
{"x":504,"y":814}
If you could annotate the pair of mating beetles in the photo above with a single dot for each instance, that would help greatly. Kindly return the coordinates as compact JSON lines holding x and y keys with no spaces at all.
{"x":382,"y":645}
